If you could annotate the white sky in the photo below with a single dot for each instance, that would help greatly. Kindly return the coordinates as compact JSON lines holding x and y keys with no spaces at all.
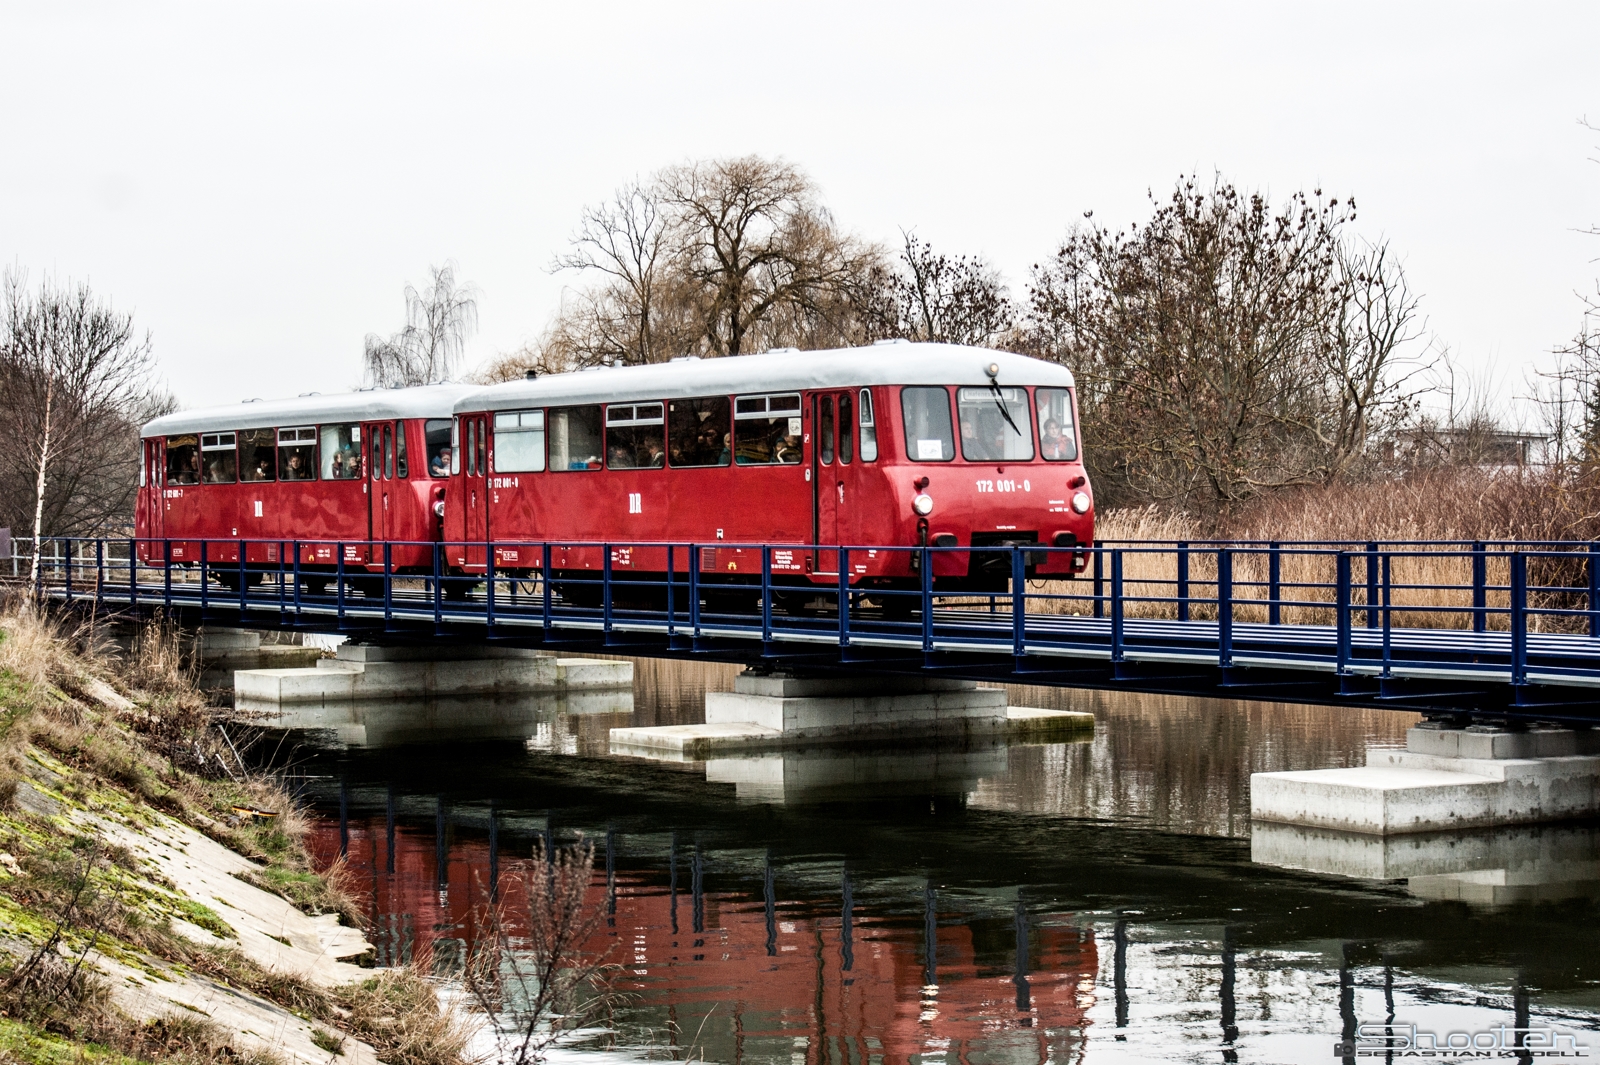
{"x":259,"y":181}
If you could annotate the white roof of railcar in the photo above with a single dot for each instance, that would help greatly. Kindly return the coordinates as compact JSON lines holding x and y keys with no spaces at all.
{"x":428,"y":401}
{"x":774,"y":371}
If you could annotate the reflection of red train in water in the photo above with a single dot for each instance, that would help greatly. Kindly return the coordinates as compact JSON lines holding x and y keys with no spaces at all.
{"x":723,"y":988}
{"x":891,"y":446}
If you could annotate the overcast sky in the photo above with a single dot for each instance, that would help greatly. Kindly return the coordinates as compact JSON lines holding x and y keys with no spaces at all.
{"x":258,"y":182}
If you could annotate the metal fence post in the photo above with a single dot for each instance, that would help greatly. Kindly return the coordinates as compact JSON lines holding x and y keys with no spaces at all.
{"x":1274,"y":583}
{"x":1519,"y":619}
{"x":927,"y":600}
{"x":205,"y":577}
{"x":694,"y":589}
{"x":67,"y":547}
{"x":1224,"y":608}
{"x":1372,"y":584}
{"x":844,"y":597}
{"x":244,"y":589}
{"x":766,"y":592}
{"x":605,"y":588}
{"x":100,"y":572}
{"x":1099,"y":584}
{"x":338,"y":580}
{"x":544,"y":584}
{"x":388,"y":583}
{"x":1019,"y":603}
{"x":1594,"y":589}
{"x":1388,"y":639}
{"x":1480,"y":587}
{"x":672,"y":594}
{"x":296,"y":577}
{"x":1341,"y":614}
{"x":166,"y":580}
{"x":1116,"y":607}
{"x":488,"y":574}
{"x":1183,"y":580}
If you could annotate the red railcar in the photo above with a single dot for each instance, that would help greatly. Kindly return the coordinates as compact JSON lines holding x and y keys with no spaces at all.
{"x":335,"y":473}
{"x":893,"y":445}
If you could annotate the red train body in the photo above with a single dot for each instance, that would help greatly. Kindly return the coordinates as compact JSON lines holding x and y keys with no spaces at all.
{"x":882,"y":448}
{"x":344,"y":472}
{"x":893,"y":445}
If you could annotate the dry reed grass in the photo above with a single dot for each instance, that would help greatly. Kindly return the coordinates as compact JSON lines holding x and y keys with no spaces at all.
{"x":1430,"y":589}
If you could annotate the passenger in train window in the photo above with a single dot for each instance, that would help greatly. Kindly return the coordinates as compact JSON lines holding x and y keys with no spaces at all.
{"x":340,"y":447}
{"x":654,"y":458}
{"x":788,"y":450}
{"x":183,"y":459}
{"x":258,"y":454}
{"x":619,"y":457}
{"x":698,"y":431}
{"x":440,"y":466}
{"x":436,"y":442}
{"x":1051,"y":444}
{"x":297,"y":468}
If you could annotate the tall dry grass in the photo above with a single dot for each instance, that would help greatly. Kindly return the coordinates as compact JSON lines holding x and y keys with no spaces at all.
{"x":1431,"y":588}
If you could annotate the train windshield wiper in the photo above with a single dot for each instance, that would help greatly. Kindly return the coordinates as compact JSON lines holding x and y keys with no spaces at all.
{"x":994,"y":386}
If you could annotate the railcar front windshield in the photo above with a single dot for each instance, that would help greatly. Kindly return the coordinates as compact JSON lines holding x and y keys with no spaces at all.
{"x":994,"y":424}
{"x":926,"y":419}
{"x":1058,"y":442}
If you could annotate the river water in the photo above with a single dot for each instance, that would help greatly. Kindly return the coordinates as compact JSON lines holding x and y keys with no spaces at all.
{"x":1104,"y":900}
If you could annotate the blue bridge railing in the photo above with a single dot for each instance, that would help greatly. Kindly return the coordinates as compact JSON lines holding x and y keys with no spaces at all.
{"x":1507,"y":628}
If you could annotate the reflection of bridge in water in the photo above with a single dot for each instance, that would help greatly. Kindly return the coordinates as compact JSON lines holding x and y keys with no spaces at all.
{"x":1053,"y":928}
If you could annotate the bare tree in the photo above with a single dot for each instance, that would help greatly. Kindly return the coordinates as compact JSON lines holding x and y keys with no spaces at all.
{"x":1226,"y":346}
{"x":942,"y":298}
{"x":539,"y":981}
{"x":720,"y":257}
{"x":439,"y":322}
{"x":79,"y":383}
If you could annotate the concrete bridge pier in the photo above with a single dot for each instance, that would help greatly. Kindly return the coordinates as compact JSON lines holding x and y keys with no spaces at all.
{"x":781,"y":709}
{"x":1447,"y":777}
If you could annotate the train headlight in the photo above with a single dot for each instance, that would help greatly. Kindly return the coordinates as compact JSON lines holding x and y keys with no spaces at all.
{"x":1080,"y":502}
{"x":922,"y":504}
{"x":438,"y":508}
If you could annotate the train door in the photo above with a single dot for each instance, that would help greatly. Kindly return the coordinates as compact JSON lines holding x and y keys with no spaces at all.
{"x":155,"y":464}
{"x":828,"y":467}
{"x":379,"y":483}
{"x":475,"y":467}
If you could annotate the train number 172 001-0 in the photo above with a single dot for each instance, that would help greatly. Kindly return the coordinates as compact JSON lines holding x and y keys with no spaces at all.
{"x":1004,"y":486}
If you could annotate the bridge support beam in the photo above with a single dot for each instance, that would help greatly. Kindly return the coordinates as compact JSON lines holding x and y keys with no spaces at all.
{"x":1446,"y":778}
{"x":777,"y":710}
{"x":368,"y":672}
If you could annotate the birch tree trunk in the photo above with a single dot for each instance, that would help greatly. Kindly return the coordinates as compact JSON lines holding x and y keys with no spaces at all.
{"x":38,"y":488}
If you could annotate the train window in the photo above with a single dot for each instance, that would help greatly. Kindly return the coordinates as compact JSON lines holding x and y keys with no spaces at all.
{"x":472,"y":447}
{"x":483,"y":446}
{"x":341,"y":452}
{"x":869,"y":428}
{"x":846,"y":429}
{"x":519,"y":441}
{"x":699,"y":431}
{"x":575,"y":438}
{"x":994,"y":424}
{"x":455,"y":446}
{"x":258,"y":455}
{"x":436,"y":439}
{"x":388,"y":452}
{"x":218,"y":458}
{"x":297,"y":453}
{"x":767,"y":430}
{"x":825,"y":429}
{"x":375,"y":458}
{"x":1057,"y":440}
{"x":926,"y":418}
{"x":634,"y":437}
{"x":183,"y":459}
{"x":400,"y":467}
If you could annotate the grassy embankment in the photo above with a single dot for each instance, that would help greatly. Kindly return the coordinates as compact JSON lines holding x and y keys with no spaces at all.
{"x":143,"y":917}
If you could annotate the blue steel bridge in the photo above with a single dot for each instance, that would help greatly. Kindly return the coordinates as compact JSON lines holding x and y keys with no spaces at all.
{"x":1489,"y":631}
